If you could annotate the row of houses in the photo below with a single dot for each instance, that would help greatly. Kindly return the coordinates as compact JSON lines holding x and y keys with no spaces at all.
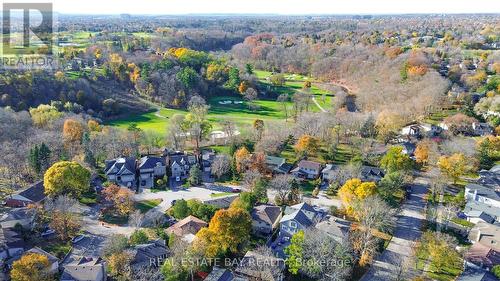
{"x":310,"y":170}
{"x":143,"y":172}
{"x":483,"y":209}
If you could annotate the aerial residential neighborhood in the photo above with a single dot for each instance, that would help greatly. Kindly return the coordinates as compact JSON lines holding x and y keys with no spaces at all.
{"x":250,"y":141}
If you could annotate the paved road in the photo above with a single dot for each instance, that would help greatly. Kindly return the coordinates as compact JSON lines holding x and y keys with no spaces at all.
{"x":318,"y":105}
{"x":169,"y":196}
{"x":407,"y":231}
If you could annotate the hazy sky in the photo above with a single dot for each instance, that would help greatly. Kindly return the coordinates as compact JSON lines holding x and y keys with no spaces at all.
{"x":275,"y":6}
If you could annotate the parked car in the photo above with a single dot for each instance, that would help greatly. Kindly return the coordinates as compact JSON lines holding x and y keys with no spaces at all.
{"x":48,"y":232}
{"x":77,"y":239}
{"x":236,"y":190}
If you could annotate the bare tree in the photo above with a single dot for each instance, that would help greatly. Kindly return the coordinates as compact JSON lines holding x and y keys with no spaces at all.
{"x":221,"y":165}
{"x":282,"y":185}
{"x":373,"y":214}
{"x":324,"y":258}
{"x":135,"y":219}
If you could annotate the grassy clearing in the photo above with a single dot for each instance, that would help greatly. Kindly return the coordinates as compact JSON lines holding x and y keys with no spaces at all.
{"x":57,"y":248}
{"x":147,"y":205}
{"x":239,"y":113}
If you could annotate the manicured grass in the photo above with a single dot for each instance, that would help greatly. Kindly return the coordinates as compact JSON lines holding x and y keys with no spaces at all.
{"x":239,"y":114}
{"x":147,"y":205}
{"x":462,"y":222}
{"x":88,"y":198}
{"x":112,"y":219}
{"x":57,"y":248}
{"x":222,"y":194}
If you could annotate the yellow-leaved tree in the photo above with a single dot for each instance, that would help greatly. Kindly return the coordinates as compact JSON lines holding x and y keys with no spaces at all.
{"x":227,"y":230}
{"x":31,"y":267}
{"x":353,"y":190}
{"x":241,"y":157}
{"x":307,"y":145}
{"x":66,"y":177}
{"x":453,"y":166}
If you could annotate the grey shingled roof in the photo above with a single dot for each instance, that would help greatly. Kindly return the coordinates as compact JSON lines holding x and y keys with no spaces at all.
{"x":299,"y":217}
{"x":121,"y":164}
{"x":266,"y":213}
{"x":484,"y":191}
{"x":219,"y":274}
{"x":149,"y":162}
{"x":35,"y":193}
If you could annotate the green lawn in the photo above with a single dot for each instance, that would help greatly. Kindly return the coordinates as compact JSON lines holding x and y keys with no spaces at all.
{"x":57,"y":248}
{"x":147,"y":205}
{"x":238,"y":113}
{"x":222,"y":194}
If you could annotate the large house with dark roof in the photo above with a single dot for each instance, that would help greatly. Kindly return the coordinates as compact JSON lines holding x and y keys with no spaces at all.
{"x":265,"y":218}
{"x":152,"y":254}
{"x":151,"y":168}
{"x":482,"y":256}
{"x":180,"y":163}
{"x":299,"y":217}
{"x":121,"y":171}
{"x":31,"y":195}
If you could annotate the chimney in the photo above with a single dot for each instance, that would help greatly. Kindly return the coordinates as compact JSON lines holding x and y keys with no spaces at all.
{"x":475,"y":194}
{"x":478,"y":235}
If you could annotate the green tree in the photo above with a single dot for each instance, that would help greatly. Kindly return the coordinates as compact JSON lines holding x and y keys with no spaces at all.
{"x":180,"y":209}
{"x":248,"y":69}
{"x":496,"y":270}
{"x":172,"y":272}
{"x":88,"y":155}
{"x":395,"y":160}
{"x":138,"y":237}
{"x":39,"y":157}
{"x":66,"y":177}
{"x":246,"y":201}
{"x":194,"y":175}
{"x":390,"y":184}
{"x":233,"y":78}
{"x":188,"y":77}
{"x":295,"y":252}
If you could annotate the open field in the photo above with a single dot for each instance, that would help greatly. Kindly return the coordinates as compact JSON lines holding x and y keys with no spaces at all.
{"x":238,"y":110}
{"x":240,"y":114}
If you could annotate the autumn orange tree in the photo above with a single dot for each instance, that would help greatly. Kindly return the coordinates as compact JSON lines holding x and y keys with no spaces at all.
{"x":72,"y":133}
{"x":422,"y":153}
{"x":31,"y":267}
{"x":354,"y":190}
{"x":258,"y":126}
{"x":453,"y":166}
{"x":241,"y":157}
{"x":228,"y":229}
{"x":243,"y":87}
{"x":121,"y":197}
{"x":307,"y":145}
